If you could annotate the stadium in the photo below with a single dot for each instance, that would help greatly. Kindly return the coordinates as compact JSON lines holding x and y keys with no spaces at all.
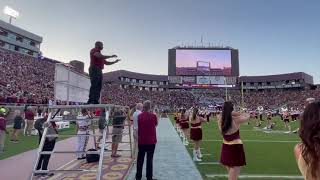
{"x":199,"y":77}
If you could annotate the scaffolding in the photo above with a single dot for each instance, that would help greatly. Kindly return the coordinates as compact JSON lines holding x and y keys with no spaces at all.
{"x":53,"y":116}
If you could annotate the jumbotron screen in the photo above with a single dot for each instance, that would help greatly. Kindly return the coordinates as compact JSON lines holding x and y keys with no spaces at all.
{"x":203,"y":62}
{"x":203,"y":66}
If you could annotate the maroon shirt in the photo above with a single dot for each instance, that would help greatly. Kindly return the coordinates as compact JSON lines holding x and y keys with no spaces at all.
{"x":99,"y":63}
{"x":3,"y":123}
{"x":147,"y":123}
{"x":29,"y":115}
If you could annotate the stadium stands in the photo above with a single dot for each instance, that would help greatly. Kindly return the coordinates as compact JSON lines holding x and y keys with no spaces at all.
{"x":25,"y":79}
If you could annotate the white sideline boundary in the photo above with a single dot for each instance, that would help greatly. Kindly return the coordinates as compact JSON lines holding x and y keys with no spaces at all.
{"x":252,"y":140}
{"x":209,"y":163}
{"x":257,"y":176}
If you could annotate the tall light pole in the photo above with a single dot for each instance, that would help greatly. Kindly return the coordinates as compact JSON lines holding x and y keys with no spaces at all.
{"x":13,"y":14}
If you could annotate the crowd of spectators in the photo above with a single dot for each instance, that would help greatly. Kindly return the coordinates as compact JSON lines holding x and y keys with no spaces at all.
{"x":25,"y":79}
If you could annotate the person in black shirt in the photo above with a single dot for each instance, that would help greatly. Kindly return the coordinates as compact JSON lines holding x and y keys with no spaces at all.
{"x":118,"y":124}
{"x":17,"y":126}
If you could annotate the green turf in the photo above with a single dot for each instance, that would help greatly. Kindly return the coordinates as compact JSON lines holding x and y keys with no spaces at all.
{"x":263,"y":158}
{"x":27,"y":143}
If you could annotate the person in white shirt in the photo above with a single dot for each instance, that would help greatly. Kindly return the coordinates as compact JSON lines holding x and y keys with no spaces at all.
{"x":139,"y":107}
{"x":83,"y":127}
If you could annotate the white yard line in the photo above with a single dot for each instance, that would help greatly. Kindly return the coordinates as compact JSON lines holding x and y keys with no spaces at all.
{"x":209,"y":163}
{"x":257,"y":176}
{"x":252,"y":140}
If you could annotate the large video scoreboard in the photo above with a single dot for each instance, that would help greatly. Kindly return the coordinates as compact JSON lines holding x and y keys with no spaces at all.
{"x":203,"y":66}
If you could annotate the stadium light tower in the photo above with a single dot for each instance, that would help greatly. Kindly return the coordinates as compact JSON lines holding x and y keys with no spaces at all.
{"x":11,"y":13}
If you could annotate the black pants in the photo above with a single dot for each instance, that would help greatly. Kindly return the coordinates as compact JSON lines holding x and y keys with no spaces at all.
{"x":143,"y":149}
{"x":44,"y":158}
{"x":96,"y":84}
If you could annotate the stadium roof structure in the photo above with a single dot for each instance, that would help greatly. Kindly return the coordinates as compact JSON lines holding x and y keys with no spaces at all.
{"x":278,"y":77}
{"x":114,"y":76}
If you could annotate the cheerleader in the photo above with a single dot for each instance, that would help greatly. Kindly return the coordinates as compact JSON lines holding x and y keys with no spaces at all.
{"x":232,"y":152}
{"x":196,"y":133}
{"x":286,"y":121}
{"x":184,"y":125}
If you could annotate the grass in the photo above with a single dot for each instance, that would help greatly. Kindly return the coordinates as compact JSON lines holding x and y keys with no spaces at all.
{"x":263,"y":158}
{"x":27,"y":143}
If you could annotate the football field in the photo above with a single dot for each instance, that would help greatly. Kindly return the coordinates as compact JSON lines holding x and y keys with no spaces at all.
{"x":269,"y":154}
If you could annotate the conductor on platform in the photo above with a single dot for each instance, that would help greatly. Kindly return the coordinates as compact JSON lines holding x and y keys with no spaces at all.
{"x":97,"y":62}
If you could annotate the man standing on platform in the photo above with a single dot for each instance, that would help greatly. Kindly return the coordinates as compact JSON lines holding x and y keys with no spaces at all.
{"x":97,"y":62}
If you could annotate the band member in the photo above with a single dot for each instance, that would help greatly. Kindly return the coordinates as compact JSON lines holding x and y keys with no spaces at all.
{"x":286,"y":121}
{"x":269,"y":120}
{"x":208,"y":114}
{"x":196,"y":133}
{"x":184,"y":125}
{"x":83,"y":128}
{"x":258,"y":122}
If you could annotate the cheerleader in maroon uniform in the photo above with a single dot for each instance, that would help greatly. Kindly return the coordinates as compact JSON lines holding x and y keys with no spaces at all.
{"x":196,"y":133}
{"x":232,"y":152}
{"x":184,"y":125}
{"x":286,"y":121}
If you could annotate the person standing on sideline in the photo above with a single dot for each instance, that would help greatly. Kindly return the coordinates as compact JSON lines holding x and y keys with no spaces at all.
{"x":135,"y":129}
{"x":147,"y":139}
{"x":18,"y":120}
{"x":3,"y":129}
{"x":49,"y":143}
{"x":97,"y":62}
{"x":83,"y":129}
{"x":232,"y":152}
{"x":29,"y":116}
{"x":196,"y":133}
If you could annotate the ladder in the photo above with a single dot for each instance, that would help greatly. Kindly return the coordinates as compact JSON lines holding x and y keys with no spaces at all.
{"x":52,"y":113}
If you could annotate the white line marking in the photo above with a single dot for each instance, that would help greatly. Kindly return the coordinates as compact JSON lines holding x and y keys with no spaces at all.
{"x":251,"y":140}
{"x":257,"y":176}
{"x":206,"y":154}
{"x":207,"y":163}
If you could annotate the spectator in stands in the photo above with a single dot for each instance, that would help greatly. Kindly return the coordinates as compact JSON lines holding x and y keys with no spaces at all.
{"x":118,"y":121}
{"x":139,"y":107}
{"x":232,"y":153}
{"x":3,"y":129}
{"x":17,"y":125}
{"x":29,"y":116}
{"x":48,"y":145}
{"x":147,"y":139}
{"x":307,"y":152}
{"x":97,"y":62}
